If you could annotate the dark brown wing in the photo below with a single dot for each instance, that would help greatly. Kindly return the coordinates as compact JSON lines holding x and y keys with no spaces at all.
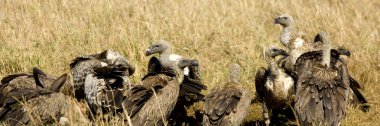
{"x":140,"y":94}
{"x":359,"y":97}
{"x":354,"y":83}
{"x":260,"y":80}
{"x":11,"y":101}
{"x":9,"y":78}
{"x":221,"y":103}
{"x":321,"y":92}
{"x":154,"y":67}
{"x":136,"y":99}
{"x":190,"y":91}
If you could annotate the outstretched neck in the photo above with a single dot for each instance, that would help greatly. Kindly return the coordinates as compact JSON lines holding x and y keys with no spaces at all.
{"x":273,"y":68}
{"x":167,"y":52}
{"x":286,"y":35}
{"x":326,"y":54}
{"x":235,"y":73}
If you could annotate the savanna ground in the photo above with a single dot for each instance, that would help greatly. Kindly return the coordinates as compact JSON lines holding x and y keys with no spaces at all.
{"x":49,"y":34}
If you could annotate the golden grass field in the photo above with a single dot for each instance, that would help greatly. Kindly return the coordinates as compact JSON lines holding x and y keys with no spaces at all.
{"x":49,"y":34}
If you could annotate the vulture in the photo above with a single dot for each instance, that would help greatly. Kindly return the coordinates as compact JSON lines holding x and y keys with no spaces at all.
{"x":296,"y":42}
{"x":274,"y":87}
{"x":27,"y":80}
{"x":101,"y":79}
{"x":34,"y":105}
{"x":189,"y":93}
{"x":228,"y":104}
{"x":166,"y":57}
{"x":355,"y":94}
{"x":151,"y":102}
{"x":322,"y":87}
{"x":190,"y":86}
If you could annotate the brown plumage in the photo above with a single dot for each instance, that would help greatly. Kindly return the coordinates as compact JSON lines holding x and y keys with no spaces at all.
{"x":322,"y":87}
{"x":27,"y":80}
{"x":151,"y":102}
{"x":42,"y":105}
{"x":101,"y":79}
{"x":357,"y":98}
{"x":105,"y":63}
{"x":227,"y":105}
{"x":273,"y":85}
{"x":190,"y":93}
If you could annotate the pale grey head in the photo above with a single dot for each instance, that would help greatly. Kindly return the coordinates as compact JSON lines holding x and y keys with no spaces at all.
{"x":159,"y":47}
{"x":273,"y":52}
{"x":284,"y":20}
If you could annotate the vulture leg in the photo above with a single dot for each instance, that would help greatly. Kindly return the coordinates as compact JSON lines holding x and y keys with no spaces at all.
{"x":266,"y":113}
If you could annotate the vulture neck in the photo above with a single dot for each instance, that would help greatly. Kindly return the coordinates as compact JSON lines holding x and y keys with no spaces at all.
{"x":235,"y":73}
{"x":166,"y":53}
{"x":286,"y":35}
{"x":273,"y":68}
{"x":272,"y":64}
{"x":326,"y":53}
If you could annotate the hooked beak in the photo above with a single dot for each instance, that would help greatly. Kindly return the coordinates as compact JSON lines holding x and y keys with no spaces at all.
{"x":343,"y":51}
{"x":276,"y":20}
{"x":280,"y":52}
{"x":148,"y":52}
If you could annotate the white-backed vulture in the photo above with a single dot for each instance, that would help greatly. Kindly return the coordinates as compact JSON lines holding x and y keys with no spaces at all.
{"x":296,"y":42}
{"x":356,"y":97}
{"x":295,"y":51}
{"x":273,"y":85}
{"x":166,"y":57}
{"x":101,"y":78}
{"x":322,"y":87}
{"x":151,"y":102}
{"x":35,"y":106}
{"x":227,"y":105}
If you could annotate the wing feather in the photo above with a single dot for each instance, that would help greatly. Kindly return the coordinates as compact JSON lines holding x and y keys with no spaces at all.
{"x":221,"y":103}
{"x":327,"y":89}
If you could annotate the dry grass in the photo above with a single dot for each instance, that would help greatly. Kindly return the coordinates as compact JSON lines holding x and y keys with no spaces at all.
{"x":48,"y":34}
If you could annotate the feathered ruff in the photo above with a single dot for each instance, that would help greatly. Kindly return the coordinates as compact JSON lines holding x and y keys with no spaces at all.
{"x":322,"y":93}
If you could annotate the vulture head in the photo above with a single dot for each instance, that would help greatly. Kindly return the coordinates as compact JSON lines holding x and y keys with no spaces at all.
{"x":284,"y":20}
{"x":343,"y":51}
{"x":271,"y":53}
{"x":158,"y":47}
